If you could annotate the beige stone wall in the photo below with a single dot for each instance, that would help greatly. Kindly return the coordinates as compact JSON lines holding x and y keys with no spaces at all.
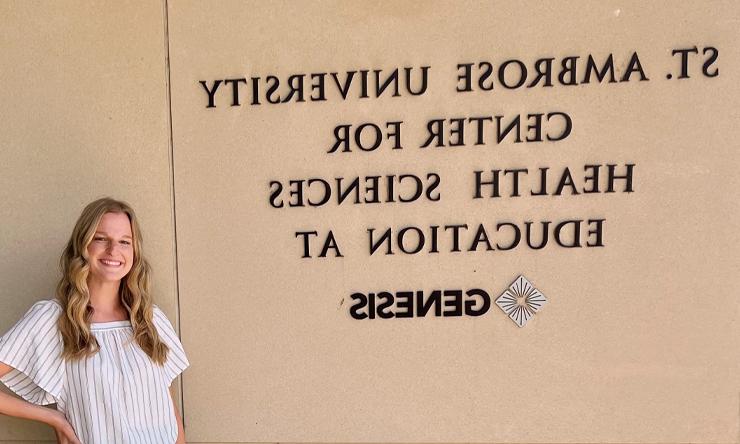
{"x":639,"y":340}
{"x":84,"y":115}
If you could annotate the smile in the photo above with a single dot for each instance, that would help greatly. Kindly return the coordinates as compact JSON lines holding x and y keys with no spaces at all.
{"x":110,"y":263}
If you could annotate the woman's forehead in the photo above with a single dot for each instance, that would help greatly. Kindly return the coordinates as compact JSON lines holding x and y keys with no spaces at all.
{"x":114,"y":224}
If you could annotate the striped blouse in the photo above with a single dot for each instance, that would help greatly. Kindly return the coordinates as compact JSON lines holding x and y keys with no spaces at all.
{"x":116,"y":396}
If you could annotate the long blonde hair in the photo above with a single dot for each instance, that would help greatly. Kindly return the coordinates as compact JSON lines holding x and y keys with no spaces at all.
{"x":74,"y":295}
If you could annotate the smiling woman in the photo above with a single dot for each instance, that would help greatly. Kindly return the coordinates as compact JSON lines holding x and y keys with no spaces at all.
{"x":102,"y":351}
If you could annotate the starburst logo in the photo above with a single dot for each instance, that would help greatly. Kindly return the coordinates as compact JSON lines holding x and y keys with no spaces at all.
{"x":521,"y":301}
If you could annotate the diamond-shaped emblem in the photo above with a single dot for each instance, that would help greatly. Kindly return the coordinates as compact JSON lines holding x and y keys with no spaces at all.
{"x":521,"y":301}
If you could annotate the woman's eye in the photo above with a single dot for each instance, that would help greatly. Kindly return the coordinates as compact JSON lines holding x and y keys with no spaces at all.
{"x":126,"y":242}
{"x":98,"y":239}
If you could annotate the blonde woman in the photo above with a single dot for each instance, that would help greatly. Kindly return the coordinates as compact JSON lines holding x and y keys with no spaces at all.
{"x":102,"y":351}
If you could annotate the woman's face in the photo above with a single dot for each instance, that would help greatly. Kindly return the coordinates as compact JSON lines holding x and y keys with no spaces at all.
{"x":111,"y":251}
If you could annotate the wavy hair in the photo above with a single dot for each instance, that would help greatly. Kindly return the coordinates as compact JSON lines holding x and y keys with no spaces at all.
{"x":74,"y":296}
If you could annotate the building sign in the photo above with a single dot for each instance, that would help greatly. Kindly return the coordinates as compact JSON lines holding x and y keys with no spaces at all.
{"x":372,"y":199}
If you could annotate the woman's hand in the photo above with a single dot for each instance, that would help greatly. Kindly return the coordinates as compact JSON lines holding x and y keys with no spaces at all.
{"x":64,"y":431}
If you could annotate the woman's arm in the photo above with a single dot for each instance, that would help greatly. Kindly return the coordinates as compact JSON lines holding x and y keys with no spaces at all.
{"x":19,"y":408}
{"x":180,"y":427}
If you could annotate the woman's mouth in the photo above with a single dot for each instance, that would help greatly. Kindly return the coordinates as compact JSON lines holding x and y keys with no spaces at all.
{"x":111,"y":263}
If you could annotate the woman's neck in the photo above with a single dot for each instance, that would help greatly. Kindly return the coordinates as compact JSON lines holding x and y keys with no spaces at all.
{"x":105,"y":300}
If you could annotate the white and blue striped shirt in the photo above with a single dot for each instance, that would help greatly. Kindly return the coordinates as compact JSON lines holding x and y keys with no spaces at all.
{"x":117,"y":396}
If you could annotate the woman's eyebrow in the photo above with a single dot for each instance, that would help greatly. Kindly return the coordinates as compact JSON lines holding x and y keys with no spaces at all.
{"x":103,"y":232}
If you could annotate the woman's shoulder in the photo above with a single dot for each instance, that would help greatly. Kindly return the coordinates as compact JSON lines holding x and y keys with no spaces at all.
{"x":158,"y":315}
{"x":177,"y":361}
{"x":38,"y":324}
{"x":42,"y":316}
{"x":47,"y":310}
{"x":50,"y":305}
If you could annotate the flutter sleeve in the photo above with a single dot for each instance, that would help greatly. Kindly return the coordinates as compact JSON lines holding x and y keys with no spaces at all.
{"x":33,"y":348}
{"x":176,"y":359}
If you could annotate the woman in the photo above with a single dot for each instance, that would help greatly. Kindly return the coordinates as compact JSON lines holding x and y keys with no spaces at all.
{"x":102,"y":351}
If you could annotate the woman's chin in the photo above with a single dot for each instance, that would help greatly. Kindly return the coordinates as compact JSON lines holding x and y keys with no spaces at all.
{"x":107,"y":277}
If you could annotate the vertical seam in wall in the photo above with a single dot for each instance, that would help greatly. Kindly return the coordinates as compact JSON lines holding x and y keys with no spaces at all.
{"x":172,"y":187}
